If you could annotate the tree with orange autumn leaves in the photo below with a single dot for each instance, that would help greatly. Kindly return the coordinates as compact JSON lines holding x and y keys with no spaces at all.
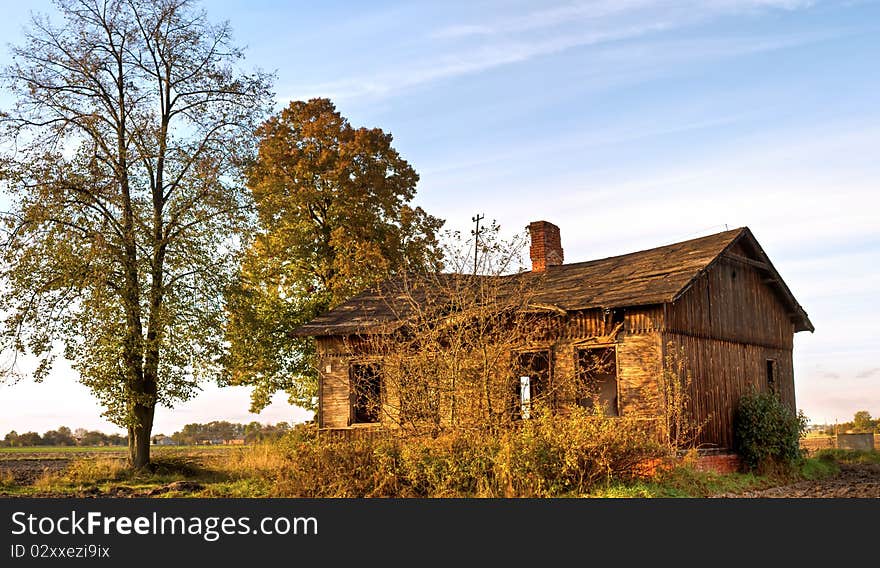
{"x":333,"y":203}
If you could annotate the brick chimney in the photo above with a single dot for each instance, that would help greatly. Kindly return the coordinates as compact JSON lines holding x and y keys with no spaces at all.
{"x":546,"y":249}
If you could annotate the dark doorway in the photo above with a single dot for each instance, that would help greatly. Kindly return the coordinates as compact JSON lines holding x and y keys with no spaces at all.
{"x":366,"y":392}
{"x":597,"y":379}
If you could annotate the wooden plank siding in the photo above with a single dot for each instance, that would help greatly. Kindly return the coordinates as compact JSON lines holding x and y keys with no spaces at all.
{"x":334,"y":400}
{"x":730,"y":301}
{"x":728,"y":324}
{"x":724,"y":371}
{"x":639,"y":363}
{"x":584,"y":324}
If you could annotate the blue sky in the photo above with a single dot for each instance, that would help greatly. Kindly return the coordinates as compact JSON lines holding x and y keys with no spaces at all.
{"x":629,"y":124}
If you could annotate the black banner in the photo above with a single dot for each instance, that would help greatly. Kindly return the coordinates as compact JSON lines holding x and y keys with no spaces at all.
{"x":227,"y":532}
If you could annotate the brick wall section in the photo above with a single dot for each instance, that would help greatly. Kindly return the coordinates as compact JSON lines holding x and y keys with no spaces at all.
{"x":719,"y":463}
{"x":715,"y":461}
{"x":546,"y":245}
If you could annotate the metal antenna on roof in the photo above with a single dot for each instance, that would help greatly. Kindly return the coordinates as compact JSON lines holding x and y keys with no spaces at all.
{"x":476,"y":234}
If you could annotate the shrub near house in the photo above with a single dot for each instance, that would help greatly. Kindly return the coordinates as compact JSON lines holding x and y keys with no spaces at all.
{"x":768,"y":433}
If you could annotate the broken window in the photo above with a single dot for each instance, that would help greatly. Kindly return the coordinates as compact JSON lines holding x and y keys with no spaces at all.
{"x":532,"y":374}
{"x":613,"y":318}
{"x":366,"y":392}
{"x":771,"y":375}
{"x":597,"y":380}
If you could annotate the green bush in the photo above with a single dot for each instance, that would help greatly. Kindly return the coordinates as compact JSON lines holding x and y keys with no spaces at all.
{"x":767,"y":433}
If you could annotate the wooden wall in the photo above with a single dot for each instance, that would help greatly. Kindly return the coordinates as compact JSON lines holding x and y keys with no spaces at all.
{"x":724,"y":371}
{"x":639,"y":363}
{"x":638,"y":349}
{"x":728,"y":324}
{"x":732,"y":302}
{"x":592,"y":323}
{"x":333,"y":385}
{"x":639,"y":356}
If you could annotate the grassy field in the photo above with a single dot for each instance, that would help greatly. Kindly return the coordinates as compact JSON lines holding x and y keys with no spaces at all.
{"x":94,"y":471}
{"x":122,"y":450}
{"x":258,"y":471}
{"x":540,"y":462}
{"x":30,"y":450}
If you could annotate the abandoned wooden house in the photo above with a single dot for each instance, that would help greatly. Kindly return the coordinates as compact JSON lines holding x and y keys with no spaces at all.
{"x":717,"y":300}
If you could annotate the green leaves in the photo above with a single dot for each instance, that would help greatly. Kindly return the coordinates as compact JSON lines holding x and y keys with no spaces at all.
{"x":767,"y":432}
{"x":124,"y":173}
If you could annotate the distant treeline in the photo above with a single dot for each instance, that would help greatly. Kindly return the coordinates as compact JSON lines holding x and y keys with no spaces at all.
{"x":862,"y":422}
{"x":222,"y":432}
{"x":217,"y":432}
{"x":63,"y":437}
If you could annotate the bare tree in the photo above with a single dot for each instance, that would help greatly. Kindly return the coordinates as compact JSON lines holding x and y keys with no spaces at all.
{"x":677,"y":427}
{"x":458,"y":342}
{"x":123,"y":161}
{"x":480,"y":351}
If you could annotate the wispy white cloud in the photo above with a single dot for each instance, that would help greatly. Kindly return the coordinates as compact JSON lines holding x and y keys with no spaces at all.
{"x":580,"y":12}
{"x":469,"y":48}
{"x":480,"y":59}
{"x":619,"y":63}
{"x":461,"y":167}
{"x":752,"y":4}
{"x":463,"y":30}
{"x":544,"y":18}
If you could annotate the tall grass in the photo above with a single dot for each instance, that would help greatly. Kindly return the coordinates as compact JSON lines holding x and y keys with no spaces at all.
{"x":544,"y":457}
{"x":562,"y":457}
{"x":6,"y":479}
{"x":101,"y":473}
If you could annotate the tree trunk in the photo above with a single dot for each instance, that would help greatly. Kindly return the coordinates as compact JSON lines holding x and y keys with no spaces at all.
{"x":131,"y":451}
{"x":133,"y":346}
{"x":139,"y":437}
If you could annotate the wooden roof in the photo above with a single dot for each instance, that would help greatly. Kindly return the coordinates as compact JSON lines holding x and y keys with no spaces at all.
{"x":648,"y":277}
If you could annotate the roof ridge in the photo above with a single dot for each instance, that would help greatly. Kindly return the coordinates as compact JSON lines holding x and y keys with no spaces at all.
{"x":651,"y":276}
{"x":582,"y":262}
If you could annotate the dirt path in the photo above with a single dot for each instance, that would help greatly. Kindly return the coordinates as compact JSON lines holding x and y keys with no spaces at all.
{"x":854,"y":480}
